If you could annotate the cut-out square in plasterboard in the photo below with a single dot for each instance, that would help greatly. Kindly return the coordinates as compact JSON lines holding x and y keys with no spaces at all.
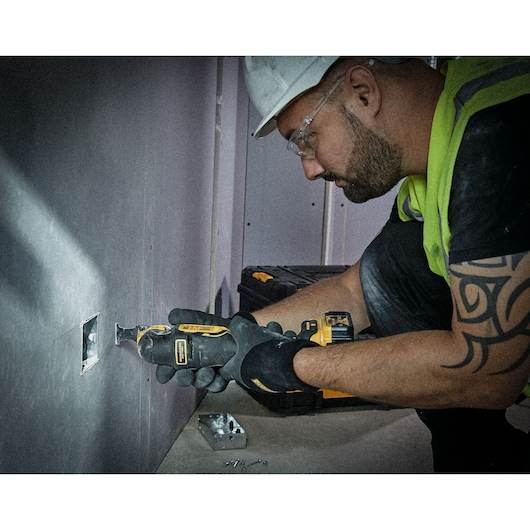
{"x":90,"y":354}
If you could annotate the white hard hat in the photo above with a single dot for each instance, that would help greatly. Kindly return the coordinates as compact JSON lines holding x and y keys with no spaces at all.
{"x":274,"y":82}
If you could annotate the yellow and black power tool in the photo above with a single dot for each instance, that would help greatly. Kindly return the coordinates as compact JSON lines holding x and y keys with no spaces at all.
{"x":194,"y":345}
{"x":331,"y":328}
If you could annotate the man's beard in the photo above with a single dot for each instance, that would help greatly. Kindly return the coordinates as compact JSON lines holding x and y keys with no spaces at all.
{"x":374,"y":165}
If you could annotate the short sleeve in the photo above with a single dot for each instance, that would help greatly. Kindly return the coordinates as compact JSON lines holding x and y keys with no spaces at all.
{"x":489,"y":208}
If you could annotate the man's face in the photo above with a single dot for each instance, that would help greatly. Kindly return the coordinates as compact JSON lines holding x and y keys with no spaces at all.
{"x":358,"y":159}
{"x":373,"y":165}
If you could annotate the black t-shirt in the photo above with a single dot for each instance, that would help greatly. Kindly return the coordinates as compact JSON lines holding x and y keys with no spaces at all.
{"x":489,"y":209}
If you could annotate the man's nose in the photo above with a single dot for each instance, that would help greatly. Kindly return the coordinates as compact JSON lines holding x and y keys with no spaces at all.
{"x":312,"y":168}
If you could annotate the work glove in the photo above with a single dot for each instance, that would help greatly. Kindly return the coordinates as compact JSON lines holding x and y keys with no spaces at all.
{"x":264,"y":358}
{"x":202,"y":377}
{"x":190,"y":316}
{"x":205,"y":377}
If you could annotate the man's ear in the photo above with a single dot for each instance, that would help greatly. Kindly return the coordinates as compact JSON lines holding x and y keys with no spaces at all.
{"x":362,"y":93}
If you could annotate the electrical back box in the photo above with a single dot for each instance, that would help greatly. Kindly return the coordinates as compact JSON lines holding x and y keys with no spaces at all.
{"x":222,"y":431}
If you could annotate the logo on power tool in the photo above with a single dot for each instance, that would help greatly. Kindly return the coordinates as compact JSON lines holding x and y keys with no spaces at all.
{"x":181,"y":351}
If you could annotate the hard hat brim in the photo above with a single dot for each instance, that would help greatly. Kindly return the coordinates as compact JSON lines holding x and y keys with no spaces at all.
{"x":309,"y":78}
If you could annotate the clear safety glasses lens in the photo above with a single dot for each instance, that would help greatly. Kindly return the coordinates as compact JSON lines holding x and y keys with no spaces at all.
{"x":303,"y":142}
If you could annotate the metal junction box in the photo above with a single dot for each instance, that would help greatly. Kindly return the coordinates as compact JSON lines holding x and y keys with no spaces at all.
{"x":222,"y":431}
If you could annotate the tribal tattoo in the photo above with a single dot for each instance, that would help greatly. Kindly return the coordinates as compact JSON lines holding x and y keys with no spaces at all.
{"x":492,"y":302}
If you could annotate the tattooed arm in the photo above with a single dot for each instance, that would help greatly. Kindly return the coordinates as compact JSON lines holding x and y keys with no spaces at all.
{"x":492,"y":317}
{"x":482,"y":362}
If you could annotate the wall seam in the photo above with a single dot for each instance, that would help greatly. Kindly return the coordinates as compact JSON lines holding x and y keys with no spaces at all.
{"x":216,"y":178}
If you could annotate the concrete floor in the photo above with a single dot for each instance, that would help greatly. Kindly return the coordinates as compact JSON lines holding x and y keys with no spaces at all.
{"x":349,"y":440}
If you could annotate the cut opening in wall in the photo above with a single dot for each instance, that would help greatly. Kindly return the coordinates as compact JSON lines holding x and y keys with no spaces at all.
{"x":90,"y":354}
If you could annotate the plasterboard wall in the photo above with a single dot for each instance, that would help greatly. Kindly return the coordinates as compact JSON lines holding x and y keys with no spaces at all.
{"x":106,"y":182}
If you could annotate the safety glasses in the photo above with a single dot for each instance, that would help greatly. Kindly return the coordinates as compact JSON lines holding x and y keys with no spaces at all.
{"x":302,"y":141}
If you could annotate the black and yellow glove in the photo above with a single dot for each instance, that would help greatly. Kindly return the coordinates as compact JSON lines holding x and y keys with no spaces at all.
{"x":264,"y":358}
{"x":209,"y":354}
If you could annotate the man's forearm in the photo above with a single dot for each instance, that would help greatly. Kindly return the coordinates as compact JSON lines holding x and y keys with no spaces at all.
{"x":408,"y":370}
{"x":482,"y":362}
{"x":340,"y":293}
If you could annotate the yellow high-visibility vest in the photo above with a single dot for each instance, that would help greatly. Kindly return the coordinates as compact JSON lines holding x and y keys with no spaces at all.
{"x":471,"y":85}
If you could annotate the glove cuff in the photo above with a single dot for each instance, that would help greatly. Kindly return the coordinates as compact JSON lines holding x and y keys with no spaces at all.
{"x":246,"y":315}
{"x":276,"y":371}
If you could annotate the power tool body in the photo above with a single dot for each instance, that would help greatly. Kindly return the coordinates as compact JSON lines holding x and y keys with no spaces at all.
{"x":197,"y":346}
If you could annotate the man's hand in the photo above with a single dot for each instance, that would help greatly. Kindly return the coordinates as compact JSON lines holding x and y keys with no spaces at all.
{"x":208,"y":378}
{"x":264,"y":358}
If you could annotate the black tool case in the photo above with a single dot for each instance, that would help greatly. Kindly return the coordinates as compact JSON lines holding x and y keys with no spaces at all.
{"x":264,"y":285}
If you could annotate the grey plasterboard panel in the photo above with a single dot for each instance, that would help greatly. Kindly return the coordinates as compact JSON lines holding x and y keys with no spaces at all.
{"x":87,"y":148}
{"x":181,"y":229}
{"x":283,"y":211}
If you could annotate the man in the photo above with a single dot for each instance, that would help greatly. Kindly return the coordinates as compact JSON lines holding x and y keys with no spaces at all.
{"x":445,"y":286}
